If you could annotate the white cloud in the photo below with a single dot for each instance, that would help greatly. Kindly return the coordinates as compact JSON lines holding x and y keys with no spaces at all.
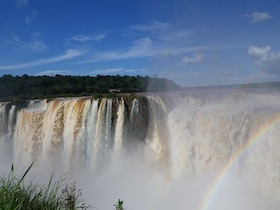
{"x":259,"y":16}
{"x":268,"y":61}
{"x":54,"y":72}
{"x":140,"y":48}
{"x":35,"y":44}
{"x":143,"y":48}
{"x":155,"y":39}
{"x":259,"y":51}
{"x":154,"y":27}
{"x":264,"y":55}
{"x":161,"y":31}
{"x":22,"y":2}
{"x":117,"y":71}
{"x":69,"y":54}
{"x":30,"y":18}
{"x":197,"y":58}
{"x":107,"y":71}
{"x":86,"y":38}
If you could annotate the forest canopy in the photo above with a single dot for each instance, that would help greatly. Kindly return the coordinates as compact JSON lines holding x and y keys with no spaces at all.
{"x":17,"y":88}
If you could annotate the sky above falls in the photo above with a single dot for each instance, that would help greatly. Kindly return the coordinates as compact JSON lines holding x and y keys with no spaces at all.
{"x":192,"y":42}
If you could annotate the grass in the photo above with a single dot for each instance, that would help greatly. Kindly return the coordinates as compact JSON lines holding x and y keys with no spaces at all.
{"x":17,"y":194}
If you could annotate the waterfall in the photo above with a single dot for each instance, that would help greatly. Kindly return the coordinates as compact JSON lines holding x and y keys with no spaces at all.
{"x":119,"y":126}
{"x":3,"y":120}
{"x":158,"y":134}
{"x":28,"y":135}
{"x":53,"y":127}
{"x":135,"y":110}
{"x":7,"y":116}
{"x":180,"y":136}
{"x":100,"y":132}
{"x":90,"y":137}
{"x":108,"y":141}
{"x":11,"y":122}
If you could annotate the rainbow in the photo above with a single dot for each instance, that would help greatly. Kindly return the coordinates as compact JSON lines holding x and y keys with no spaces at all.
{"x":205,"y":205}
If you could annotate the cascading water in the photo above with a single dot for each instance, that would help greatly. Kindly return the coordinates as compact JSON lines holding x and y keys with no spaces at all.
{"x":119,"y":127}
{"x":178,"y":151}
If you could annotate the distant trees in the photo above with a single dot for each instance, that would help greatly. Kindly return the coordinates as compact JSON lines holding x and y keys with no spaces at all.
{"x":32,"y":87}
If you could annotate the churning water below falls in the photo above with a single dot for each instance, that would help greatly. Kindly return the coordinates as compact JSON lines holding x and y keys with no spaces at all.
{"x":197,"y":150}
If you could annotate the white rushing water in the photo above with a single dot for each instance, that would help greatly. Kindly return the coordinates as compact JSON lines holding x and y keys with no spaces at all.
{"x":181,"y":151}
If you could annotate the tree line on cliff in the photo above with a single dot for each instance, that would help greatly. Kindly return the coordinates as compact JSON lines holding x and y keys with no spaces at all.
{"x":18,"y":88}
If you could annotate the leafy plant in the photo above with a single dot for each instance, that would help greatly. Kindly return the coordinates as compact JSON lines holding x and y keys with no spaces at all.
{"x":119,"y":205}
{"x":71,"y":197}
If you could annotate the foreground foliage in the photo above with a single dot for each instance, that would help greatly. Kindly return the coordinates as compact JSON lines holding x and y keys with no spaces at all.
{"x":16,"y":194}
{"x":119,"y":205}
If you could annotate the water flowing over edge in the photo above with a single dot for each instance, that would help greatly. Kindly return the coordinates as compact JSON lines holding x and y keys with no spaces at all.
{"x":179,"y":137}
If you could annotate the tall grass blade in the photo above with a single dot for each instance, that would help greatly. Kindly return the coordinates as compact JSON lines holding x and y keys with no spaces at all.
{"x":25,"y":173}
{"x":12,"y":168}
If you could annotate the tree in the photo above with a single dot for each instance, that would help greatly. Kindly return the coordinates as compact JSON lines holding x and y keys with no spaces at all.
{"x":34,"y":87}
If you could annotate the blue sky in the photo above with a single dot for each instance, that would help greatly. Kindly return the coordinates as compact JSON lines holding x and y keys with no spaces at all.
{"x":192,"y":42}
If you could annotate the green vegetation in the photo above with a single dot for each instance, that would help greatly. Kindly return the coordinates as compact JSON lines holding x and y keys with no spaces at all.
{"x":17,"y":195}
{"x":119,"y":205}
{"x":21,"y":88}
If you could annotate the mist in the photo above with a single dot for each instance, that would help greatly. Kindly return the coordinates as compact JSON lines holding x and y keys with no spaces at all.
{"x":191,"y":156}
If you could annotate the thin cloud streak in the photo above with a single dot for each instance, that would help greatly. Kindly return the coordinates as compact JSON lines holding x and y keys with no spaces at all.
{"x":35,"y":44}
{"x":158,"y":39}
{"x":142,"y":48}
{"x":83,"y":38}
{"x":154,"y":27}
{"x":30,"y":18}
{"x":71,"y":53}
{"x":116,"y":71}
{"x":54,"y":72}
{"x":107,"y":71}
{"x":161,"y":31}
